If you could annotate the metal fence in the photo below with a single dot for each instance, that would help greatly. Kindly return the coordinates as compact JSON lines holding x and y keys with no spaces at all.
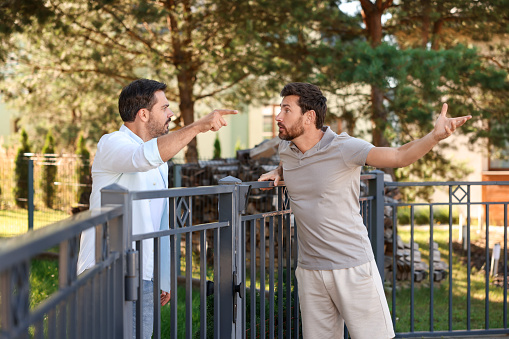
{"x":479,"y":297}
{"x":246,"y":263}
{"x":30,"y":210}
{"x":90,"y":305}
{"x":237,"y":268}
{"x":16,"y":220}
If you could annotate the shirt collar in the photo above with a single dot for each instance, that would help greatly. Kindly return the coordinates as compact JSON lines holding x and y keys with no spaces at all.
{"x":130,"y":133}
{"x":328,"y":136}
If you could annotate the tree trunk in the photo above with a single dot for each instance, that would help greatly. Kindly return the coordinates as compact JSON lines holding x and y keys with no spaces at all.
{"x":181,"y":40}
{"x":372,"y":14}
{"x":426,"y":22}
{"x":186,"y":106}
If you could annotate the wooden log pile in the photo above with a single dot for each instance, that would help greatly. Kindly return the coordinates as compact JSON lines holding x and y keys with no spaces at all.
{"x":404,"y":251}
{"x":205,"y":208}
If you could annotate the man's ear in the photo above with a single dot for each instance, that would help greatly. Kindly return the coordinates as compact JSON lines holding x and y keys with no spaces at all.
{"x":310,"y":117}
{"x":143,"y":114}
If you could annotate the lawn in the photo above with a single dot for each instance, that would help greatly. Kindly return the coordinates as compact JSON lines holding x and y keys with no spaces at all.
{"x":15,"y":222}
{"x":422,"y":291}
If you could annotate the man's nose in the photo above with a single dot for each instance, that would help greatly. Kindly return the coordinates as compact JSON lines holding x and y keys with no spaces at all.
{"x":278,"y":117}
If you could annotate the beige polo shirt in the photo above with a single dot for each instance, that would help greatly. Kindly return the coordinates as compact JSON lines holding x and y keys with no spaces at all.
{"x":324,"y":188}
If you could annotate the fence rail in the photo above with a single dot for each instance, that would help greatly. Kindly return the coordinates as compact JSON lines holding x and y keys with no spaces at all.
{"x":494,"y":312}
{"x":240,"y":263}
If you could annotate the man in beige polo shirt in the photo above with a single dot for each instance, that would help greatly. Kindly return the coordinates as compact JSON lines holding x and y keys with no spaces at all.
{"x":338,"y":278}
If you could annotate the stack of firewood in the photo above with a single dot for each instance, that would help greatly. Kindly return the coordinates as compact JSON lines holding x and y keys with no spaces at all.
{"x":405,"y":251}
{"x":440,"y":267}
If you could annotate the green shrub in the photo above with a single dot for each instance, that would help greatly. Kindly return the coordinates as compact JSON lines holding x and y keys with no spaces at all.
{"x":441,"y":215}
{"x":83,"y":172}
{"x":421,"y":215}
{"x":49,"y":173}
{"x":403,"y":215}
{"x":217,"y":148}
{"x":20,"y":189}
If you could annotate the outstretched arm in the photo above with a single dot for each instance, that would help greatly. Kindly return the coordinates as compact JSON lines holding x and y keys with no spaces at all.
{"x":409,"y":153}
{"x":171,"y":143}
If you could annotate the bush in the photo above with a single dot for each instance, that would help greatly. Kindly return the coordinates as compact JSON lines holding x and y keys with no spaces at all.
{"x":20,"y":189}
{"x":49,"y":173}
{"x":403,"y":215}
{"x":217,"y":148}
{"x":421,"y":215}
{"x":441,"y":215}
{"x":83,"y":172}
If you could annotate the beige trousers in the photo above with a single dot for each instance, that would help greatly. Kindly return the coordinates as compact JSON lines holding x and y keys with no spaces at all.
{"x":355,"y":296}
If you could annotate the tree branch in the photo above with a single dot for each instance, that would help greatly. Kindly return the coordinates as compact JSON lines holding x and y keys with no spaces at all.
{"x":221,"y":89}
{"x":496,"y":62}
{"x":130,"y":32}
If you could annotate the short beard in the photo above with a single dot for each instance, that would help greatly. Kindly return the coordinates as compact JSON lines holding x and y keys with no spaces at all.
{"x":157,"y":131}
{"x":294,"y":132}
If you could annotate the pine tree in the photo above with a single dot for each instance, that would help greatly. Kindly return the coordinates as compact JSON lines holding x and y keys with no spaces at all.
{"x":83,"y":172}
{"x":49,"y":172}
{"x":217,"y":148}
{"x":20,"y":189}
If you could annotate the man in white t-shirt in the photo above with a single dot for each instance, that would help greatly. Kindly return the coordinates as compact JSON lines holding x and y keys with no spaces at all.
{"x":337,"y":275}
{"x":135,"y":157}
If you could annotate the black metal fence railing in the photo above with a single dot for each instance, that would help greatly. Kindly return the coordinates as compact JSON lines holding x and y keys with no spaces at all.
{"x":240,"y":263}
{"x":29,"y":209}
{"x":457,"y":260}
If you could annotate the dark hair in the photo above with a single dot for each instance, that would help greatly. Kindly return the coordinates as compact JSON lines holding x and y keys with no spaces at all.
{"x":310,"y":98}
{"x":137,"y":95}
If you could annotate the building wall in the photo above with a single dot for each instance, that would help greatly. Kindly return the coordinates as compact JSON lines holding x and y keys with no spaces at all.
{"x":495,"y":193}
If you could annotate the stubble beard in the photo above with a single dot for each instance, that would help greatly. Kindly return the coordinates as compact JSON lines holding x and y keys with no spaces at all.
{"x":156,"y":130}
{"x":292,"y":132}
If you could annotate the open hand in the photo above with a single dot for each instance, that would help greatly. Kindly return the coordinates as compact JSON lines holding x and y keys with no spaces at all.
{"x":445,"y":126}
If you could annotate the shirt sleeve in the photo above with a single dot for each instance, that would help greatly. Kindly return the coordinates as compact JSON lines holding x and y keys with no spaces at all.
{"x":118,"y":153}
{"x":356,"y":151}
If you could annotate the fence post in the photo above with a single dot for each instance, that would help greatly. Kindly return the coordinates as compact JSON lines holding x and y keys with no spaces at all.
{"x":231,"y":206}
{"x":376,"y":189}
{"x":177,"y":175}
{"x":30,"y":194}
{"x":120,"y":241}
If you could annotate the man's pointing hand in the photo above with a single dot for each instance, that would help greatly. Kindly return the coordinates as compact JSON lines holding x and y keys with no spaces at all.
{"x":214,"y":120}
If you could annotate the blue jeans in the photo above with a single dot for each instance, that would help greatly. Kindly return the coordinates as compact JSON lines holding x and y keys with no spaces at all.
{"x":148,"y":310}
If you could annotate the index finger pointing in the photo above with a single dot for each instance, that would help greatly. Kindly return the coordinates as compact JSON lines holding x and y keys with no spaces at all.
{"x":444,"y":109}
{"x":226,"y":111}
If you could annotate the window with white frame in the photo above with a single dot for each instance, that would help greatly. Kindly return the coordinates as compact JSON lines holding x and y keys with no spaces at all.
{"x":269,"y":121}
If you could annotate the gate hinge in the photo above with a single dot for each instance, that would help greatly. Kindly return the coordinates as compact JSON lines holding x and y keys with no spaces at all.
{"x":132,"y":275}
{"x":237,"y":288}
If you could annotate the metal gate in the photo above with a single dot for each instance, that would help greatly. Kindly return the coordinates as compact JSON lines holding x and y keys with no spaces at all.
{"x":233,"y":255}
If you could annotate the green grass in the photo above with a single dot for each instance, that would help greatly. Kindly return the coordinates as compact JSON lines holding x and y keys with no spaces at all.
{"x":181,"y":314}
{"x":15,"y":222}
{"x":422,"y":291}
{"x":43,"y":280}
